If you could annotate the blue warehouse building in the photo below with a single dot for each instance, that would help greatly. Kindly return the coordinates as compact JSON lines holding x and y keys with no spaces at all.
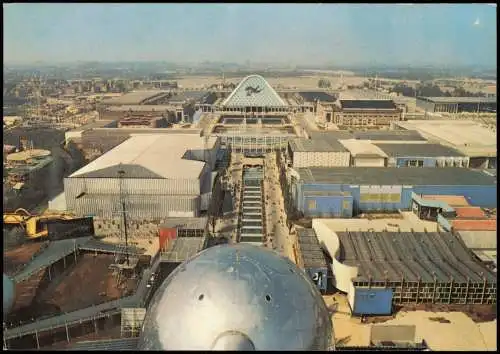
{"x":423,"y":155}
{"x":347,"y":191}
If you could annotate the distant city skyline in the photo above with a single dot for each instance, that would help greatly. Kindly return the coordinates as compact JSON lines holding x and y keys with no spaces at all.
{"x":296,"y":34}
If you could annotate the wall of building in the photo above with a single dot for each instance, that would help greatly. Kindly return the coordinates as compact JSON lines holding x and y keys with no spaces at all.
{"x":146,"y":198}
{"x":366,"y":118}
{"x":372,"y":301}
{"x":320,"y":159}
{"x":484,"y":196}
{"x":138,"y":207}
{"x":457,"y":107}
{"x":74,"y":186}
{"x":445,"y":161}
{"x":368,"y":161}
{"x":338,"y":206}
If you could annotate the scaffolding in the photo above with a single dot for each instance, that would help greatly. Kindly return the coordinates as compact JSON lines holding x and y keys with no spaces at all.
{"x":131,"y":321}
{"x":434,"y":268}
{"x":123,"y":264}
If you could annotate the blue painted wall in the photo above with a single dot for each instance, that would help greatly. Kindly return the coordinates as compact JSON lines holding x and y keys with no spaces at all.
{"x":483,"y":196}
{"x":358,"y":206}
{"x":328,"y":206}
{"x":317,"y":187}
{"x":373,"y":301}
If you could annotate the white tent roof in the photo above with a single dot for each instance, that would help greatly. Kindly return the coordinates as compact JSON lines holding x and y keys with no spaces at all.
{"x":254,"y":91}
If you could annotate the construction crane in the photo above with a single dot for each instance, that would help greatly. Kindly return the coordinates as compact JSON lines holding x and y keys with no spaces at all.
{"x":35,"y":226}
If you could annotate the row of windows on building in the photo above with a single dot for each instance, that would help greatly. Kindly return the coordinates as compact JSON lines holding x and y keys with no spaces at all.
{"x":355,"y":119}
{"x":439,"y":163}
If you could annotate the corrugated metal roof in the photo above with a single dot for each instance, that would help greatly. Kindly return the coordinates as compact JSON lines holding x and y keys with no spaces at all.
{"x":307,"y":145}
{"x":469,"y":212}
{"x":107,"y":344}
{"x":188,"y":95}
{"x":368,"y":104}
{"x":391,"y":255}
{"x":254,"y":91}
{"x":359,"y":148}
{"x":428,"y":176}
{"x":332,"y":135}
{"x":474,"y":225}
{"x":394,"y":135}
{"x":311,"y":96}
{"x":419,"y":150}
{"x":135,"y":97}
{"x":162,"y":155}
{"x":479,"y":239}
{"x":140,"y":108}
{"x":310,"y":249}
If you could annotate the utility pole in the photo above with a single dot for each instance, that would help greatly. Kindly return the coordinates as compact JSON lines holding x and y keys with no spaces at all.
{"x":121,"y":174}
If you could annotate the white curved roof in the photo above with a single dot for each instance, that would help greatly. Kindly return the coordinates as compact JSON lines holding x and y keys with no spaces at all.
{"x":161,"y":154}
{"x":254,"y":91}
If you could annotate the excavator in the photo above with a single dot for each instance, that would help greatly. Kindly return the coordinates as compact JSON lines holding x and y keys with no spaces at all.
{"x":35,"y":226}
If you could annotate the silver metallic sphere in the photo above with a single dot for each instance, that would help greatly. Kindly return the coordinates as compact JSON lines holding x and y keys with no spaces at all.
{"x":9,"y":294}
{"x":237,"y":297}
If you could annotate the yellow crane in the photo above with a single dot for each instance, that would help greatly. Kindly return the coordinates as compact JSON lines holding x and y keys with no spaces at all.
{"x":35,"y":226}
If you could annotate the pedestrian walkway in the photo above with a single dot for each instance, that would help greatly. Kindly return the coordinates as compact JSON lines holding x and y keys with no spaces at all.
{"x":251,"y":223}
{"x":282,"y":241}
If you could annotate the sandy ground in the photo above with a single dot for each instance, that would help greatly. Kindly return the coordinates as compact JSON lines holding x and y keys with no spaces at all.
{"x":461,"y":334}
{"x":275,"y":209}
{"x":303,"y":82}
{"x":89,"y":283}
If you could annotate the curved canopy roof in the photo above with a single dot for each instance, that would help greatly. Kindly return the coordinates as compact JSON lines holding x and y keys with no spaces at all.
{"x":254,"y":91}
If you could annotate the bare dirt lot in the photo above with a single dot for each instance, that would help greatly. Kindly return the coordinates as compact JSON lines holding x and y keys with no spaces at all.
{"x":88,"y":283}
{"x":300,"y":82}
{"x":478,"y":313}
{"x":452,"y":330}
{"x":15,"y":259}
{"x":26,"y":291}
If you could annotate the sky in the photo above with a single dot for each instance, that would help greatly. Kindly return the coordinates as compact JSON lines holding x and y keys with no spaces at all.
{"x":338,"y":34}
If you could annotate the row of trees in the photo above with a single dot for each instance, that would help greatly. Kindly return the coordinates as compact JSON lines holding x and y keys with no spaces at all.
{"x":324,"y":83}
{"x":431,"y":90}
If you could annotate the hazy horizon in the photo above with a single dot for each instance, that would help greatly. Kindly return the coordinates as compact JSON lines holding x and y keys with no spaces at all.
{"x":295,"y":34}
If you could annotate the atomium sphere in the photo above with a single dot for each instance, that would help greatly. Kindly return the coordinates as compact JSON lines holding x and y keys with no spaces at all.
{"x":9,"y":293}
{"x":237,"y":297}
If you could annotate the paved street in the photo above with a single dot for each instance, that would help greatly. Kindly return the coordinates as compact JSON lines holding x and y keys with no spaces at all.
{"x":282,"y":241}
{"x":229,"y":223}
{"x":278,"y":236}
